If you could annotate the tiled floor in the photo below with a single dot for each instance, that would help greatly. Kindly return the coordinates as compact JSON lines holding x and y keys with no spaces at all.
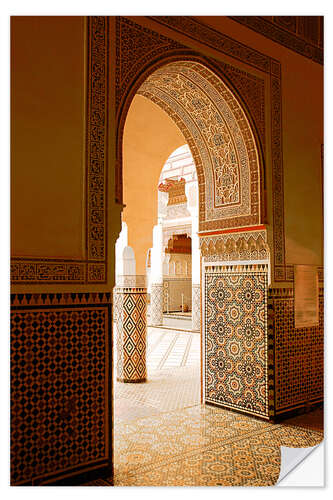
{"x":163,"y":436}
{"x":204,"y":446}
{"x":173,"y":366}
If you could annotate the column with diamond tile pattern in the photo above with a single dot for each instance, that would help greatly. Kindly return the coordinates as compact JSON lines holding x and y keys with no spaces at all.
{"x":131,"y":330}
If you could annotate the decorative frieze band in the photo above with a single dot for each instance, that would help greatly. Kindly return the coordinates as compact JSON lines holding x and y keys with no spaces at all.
{"x":208,"y":36}
{"x":289,"y":32}
{"x":97,"y":122}
{"x":44,"y":299}
{"x":236,"y":268}
{"x":46,"y":271}
{"x":131,"y":281}
{"x":235,"y":246}
{"x":281,"y":293}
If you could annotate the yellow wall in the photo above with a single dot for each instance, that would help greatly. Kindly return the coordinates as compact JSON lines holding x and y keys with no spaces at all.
{"x":47,"y":136}
{"x":150,"y":136}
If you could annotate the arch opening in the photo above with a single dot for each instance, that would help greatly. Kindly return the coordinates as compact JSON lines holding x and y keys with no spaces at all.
{"x":216,"y":128}
{"x":218,"y":133}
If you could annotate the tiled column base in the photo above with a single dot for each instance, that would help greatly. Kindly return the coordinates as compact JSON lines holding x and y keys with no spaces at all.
{"x":131,"y":331}
{"x":156,"y":305}
{"x":196,"y":316}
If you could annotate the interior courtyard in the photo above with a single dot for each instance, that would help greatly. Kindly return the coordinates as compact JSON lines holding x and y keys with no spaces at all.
{"x":167,"y":280}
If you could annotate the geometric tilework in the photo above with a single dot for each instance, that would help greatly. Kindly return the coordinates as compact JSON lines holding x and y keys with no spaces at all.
{"x":228,"y":180}
{"x":131,"y":324}
{"x":156,"y":304}
{"x":236,"y":345}
{"x":204,"y":446}
{"x":60,"y":390}
{"x":150,"y":45}
{"x":196,"y":309}
{"x":299,"y":354}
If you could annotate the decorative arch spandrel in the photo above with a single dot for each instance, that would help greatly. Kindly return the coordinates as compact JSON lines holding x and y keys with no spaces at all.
{"x":257,"y":79}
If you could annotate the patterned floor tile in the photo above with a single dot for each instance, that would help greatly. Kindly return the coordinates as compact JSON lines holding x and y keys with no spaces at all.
{"x":204,"y":446}
{"x":165,"y":437}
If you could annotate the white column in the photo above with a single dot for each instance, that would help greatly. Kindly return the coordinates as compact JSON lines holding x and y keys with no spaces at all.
{"x":196,"y":320}
{"x":121,"y":243}
{"x":130,"y":302}
{"x":156,"y":294}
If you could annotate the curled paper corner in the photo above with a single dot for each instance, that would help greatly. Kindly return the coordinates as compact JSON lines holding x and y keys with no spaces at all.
{"x":311,"y":470}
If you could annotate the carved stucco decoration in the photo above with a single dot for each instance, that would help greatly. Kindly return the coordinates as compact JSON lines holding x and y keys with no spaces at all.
{"x":236,"y":246}
{"x":302,"y":34}
{"x":176,"y":211}
{"x":140,"y":50}
{"x":220,"y":139}
{"x":170,"y":231}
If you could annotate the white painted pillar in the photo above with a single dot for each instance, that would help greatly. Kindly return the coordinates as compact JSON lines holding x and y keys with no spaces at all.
{"x":156,"y":277}
{"x":196,"y":320}
{"x":121,"y":243}
{"x":130,"y":304}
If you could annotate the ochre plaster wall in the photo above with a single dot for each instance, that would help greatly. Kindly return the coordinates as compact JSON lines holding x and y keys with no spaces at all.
{"x":150,"y":136}
{"x":48,"y":132}
{"x":47,"y":136}
{"x":302,"y":118}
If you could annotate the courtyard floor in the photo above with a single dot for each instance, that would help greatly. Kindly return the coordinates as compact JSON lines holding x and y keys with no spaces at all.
{"x":163,"y":436}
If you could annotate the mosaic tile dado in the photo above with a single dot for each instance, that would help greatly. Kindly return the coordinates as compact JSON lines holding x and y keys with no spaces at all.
{"x":236,"y":344}
{"x":158,"y":442}
{"x":60,"y":395}
{"x":299,"y":353}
